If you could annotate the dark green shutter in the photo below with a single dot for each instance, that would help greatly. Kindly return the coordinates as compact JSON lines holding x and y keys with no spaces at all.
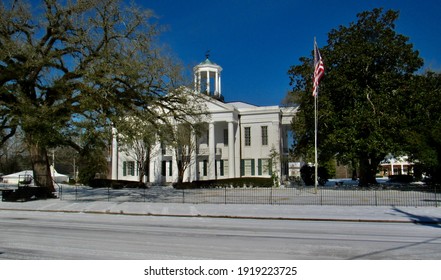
{"x":259,"y":166}
{"x":253,"y":167}
{"x":124,"y":168}
{"x":242,"y":167}
{"x":270,"y":167}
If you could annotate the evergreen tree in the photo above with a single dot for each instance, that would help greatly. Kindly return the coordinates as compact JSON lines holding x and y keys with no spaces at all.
{"x":361,"y":116}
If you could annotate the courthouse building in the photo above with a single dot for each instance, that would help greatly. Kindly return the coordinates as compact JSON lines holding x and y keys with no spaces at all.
{"x":239,"y":142}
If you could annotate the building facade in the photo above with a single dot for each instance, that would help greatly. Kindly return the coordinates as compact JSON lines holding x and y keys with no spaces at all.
{"x":241,"y":140}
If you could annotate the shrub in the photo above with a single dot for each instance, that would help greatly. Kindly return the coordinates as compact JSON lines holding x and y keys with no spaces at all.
{"x":115,"y":184}
{"x":401,"y":179}
{"x":227,"y":183}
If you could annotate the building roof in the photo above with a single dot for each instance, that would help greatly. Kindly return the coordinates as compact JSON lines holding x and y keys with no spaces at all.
{"x":207,"y":62}
{"x":241,"y":105}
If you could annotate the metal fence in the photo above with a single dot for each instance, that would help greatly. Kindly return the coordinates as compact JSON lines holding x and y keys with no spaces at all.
{"x":414,"y":196}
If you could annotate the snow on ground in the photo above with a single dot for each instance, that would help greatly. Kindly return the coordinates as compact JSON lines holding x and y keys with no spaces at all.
{"x":329,"y":203}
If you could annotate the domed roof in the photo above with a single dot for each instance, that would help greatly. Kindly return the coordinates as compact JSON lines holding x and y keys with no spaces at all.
{"x":207,"y":62}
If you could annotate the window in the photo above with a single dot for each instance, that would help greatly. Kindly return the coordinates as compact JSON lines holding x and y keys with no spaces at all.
{"x":220,"y":167}
{"x":263,"y":167}
{"x":205,"y":168}
{"x":264,"y":135}
{"x":131,"y":168}
{"x":164,"y":165}
{"x":128,"y":168}
{"x":247,"y":136}
{"x":247,"y":167}
{"x":226,"y":137}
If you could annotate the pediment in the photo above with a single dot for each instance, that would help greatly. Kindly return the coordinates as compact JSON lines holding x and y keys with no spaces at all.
{"x":214,"y":106}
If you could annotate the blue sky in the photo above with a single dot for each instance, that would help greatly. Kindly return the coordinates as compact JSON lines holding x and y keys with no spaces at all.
{"x":256,"y":41}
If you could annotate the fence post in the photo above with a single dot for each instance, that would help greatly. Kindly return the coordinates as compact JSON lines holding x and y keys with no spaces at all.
{"x":271,"y":196}
{"x":375,"y":193}
{"x":321,"y":196}
{"x":225,"y":195}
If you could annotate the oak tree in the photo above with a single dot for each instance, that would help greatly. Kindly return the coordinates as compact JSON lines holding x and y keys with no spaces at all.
{"x":71,"y":69}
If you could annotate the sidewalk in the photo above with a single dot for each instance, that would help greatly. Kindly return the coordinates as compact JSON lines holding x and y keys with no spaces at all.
{"x":245,"y":211}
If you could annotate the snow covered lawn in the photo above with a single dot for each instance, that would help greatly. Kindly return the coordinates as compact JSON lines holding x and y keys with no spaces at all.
{"x":347,"y":194}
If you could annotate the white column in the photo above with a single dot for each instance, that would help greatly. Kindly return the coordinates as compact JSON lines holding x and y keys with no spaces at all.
{"x":199,"y":82}
{"x":194,"y":159}
{"x":208,"y":82}
{"x":212,"y":152}
{"x":114,"y":154}
{"x":219,"y":85}
{"x":231,"y":152}
{"x":216,"y":84}
{"x":195,"y":81}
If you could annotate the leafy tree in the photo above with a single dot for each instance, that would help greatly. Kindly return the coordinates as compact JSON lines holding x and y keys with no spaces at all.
{"x":423,"y":136}
{"x":72,"y":68}
{"x":368,"y":68}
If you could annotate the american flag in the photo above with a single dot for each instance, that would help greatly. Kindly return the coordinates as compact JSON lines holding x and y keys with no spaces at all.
{"x":319,"y":69}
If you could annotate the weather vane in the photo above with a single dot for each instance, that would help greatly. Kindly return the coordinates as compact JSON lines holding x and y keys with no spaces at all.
{"x":207,"y":54}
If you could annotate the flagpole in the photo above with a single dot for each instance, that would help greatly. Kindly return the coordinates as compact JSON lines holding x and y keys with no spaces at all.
{"x":319,"y":71}
{"x":315,"y":129}
{"x":315,"y":142}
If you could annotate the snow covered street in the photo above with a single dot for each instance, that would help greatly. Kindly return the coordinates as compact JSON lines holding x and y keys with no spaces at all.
{"x":61,"y":235}
{"x":90,"y":229}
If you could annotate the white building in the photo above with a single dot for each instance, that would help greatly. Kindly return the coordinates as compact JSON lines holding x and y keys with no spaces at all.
{"x":238,"y":143}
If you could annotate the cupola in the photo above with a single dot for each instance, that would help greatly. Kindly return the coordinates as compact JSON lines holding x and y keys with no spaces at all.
{"x":207,"y":78}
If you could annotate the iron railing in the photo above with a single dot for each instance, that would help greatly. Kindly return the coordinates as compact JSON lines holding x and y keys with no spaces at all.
{"x":414,"y":196}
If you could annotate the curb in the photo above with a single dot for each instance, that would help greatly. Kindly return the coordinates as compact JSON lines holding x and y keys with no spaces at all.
{"x":223,"y":216}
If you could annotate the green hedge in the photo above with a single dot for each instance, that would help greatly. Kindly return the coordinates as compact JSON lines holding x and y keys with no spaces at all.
{"x":115,"y":184}
{"x":227,"y":183}
{"x":401,"y":178}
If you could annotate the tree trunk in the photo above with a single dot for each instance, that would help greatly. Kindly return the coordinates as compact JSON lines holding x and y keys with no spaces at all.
{"x":181,"y":171}
{"x":41,"y":168}
{"x":368,"y":170}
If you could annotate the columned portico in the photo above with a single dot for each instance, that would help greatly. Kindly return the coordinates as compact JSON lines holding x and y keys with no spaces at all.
{"x":235,"y":139}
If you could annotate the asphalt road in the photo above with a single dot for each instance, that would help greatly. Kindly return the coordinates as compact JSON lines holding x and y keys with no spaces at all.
{"x":37,"y":235}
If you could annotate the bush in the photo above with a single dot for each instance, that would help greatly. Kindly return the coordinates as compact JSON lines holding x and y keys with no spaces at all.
{"x":227,"y":183}
{"x":115,"y":184}
{"x":405,"y":179}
